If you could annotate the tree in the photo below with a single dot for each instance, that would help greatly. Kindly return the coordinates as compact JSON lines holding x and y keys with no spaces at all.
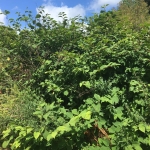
{"x":134,"y":14}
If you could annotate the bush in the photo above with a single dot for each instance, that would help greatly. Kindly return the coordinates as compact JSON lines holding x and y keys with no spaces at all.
{"x":96,"y":97}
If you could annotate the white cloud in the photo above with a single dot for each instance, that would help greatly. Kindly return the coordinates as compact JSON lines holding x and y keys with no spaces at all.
{"x":71,"y":12}
{"x":97,"y":4}
{"x":2,"y":18}
{"x":16,"y":7}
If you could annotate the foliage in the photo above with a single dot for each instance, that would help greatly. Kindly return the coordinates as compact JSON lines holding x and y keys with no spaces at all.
{"x":114,"y":70}
{"x":43,"y":36}
{"x":51,"y":118}
{"x":8,"y":37}
{"x":4,"y":76}
{"x":87,"y":90}
{"x":134,"y":14}
{"x":17,"y":107}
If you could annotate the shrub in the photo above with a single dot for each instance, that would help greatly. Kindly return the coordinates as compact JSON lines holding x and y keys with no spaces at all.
{"x":94,"y":98}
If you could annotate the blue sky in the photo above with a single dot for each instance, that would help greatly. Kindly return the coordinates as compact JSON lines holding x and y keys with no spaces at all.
{"x":71,"y":7}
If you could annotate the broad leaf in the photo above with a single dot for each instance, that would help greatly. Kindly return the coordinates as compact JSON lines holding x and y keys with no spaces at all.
{"x":36,"y":135}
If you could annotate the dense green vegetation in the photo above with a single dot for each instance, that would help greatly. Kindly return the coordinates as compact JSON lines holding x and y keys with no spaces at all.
{"x":67,"y":86}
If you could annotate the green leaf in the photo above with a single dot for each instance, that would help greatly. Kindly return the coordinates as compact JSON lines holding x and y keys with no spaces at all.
{"x":75,"y":112}
{"x":45,"y":134}
{"x":86,"y":115}
{"x":6,"y":12}
{"x":5,"y":144}
{"x":35,"y":46}
{"x":28,"y":148}
{"x":19,"y":128}
{"x":74,"y":120}
{"x":63,"y":110}
{"x":129,"y":147}
{"x":114,"y":148}
{"x":39,"y":24}
{"x":118,"y":113}
{"x":115,"y":99}
{"x":16,"y":144}
{"x":78,"y":60}
{"x":6,"y":133}
{"x":38,"y":16}
{"x":103,"y":67}
{"x":97,"y":97}
{"x":89,"y":101}
{"x":148,"y":128}
{"x":69,"y":114}
{"x":61,"y":129}
{"x":53,"y":135}
{"x":137,"y":146}
{"x":37,"y":113}
{"x":106,"y":99}
{"x":29,"y":130}
{"x":101,"y":122}
{"x":141,"y":127}
{"x":49,"y":137}
{"x":93,"y":72}
{"x":36,"y":135}
{"x":96,"y":107}
{"x":86,"y":84}
{"x":46,"y":115}
{"x":112,"y":129}
{"x":104,"y":148}
{"x":22,"y":133}
{"x":105,"y":142}
{"x":66,"y":93}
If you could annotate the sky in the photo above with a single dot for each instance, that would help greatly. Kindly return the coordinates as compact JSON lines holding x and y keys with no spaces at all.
{"x":72,"y":8}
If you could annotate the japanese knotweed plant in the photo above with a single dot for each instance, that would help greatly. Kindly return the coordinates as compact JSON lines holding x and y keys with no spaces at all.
{"x":97,"y":99}
{"x":115,"y":70}
{"x":58,"y":129}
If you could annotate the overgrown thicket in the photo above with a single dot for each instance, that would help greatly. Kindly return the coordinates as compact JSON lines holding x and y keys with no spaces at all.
{"x":70,"y":86}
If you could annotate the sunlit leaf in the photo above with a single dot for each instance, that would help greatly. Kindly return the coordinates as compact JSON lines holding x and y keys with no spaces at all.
{"x":142,"y":127}
{"x":36,"y":135}
{"x":87,"y":115}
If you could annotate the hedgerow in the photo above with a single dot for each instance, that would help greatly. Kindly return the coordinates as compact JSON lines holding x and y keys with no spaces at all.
{"x":91,"y":95}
